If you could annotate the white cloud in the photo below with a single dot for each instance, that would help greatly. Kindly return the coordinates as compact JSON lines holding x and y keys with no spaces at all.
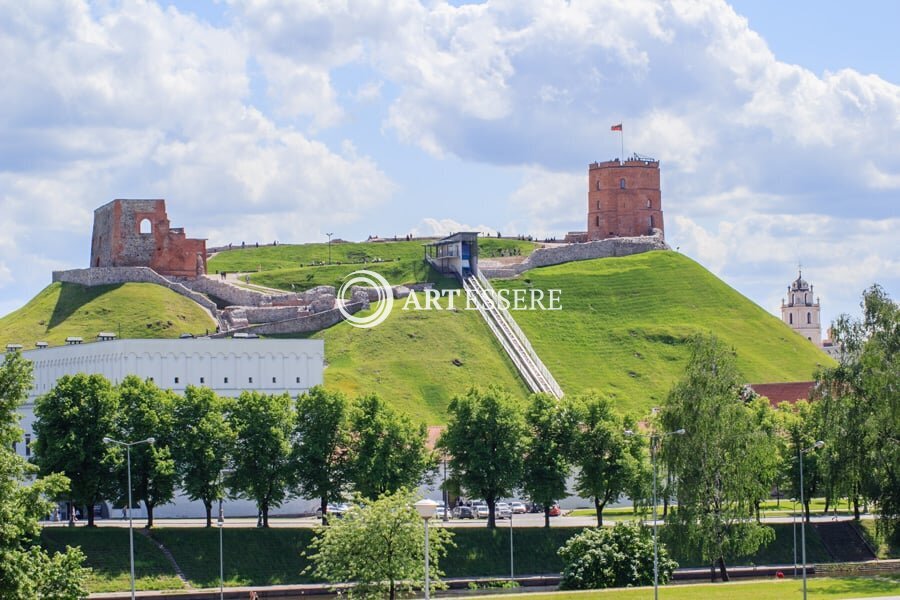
{"x":431,"y":227}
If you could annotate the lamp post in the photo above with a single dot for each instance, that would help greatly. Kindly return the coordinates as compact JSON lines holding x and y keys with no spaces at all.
{"x":794,"y":526}
{"x":655,"y":440}
{"x":446,"y":494}
{"x":512,"y":571}
{"x":803,"y":451}
{"x":127,"y":446}
{"x":221,"y":523}
{"x":329,"y":246}
{"x":426,"y":509}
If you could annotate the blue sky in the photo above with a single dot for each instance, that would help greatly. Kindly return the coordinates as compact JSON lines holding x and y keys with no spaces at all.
{"x":776,"y":123}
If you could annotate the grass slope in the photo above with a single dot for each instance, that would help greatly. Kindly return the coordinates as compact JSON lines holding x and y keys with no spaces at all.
{"x":350,"y":255}
{"x":133,"y":310}
{"x":274,"y":556}
{"x":418,"y":360}
{"x":624,"y":323}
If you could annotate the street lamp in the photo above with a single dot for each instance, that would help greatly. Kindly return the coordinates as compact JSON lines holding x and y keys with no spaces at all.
{"x":329,"y":246}
{"x":512,"y":572}
{"x":426,"y":509}
{"x":221,"y":523}
{"x":127,"y":445}
{"x":655,"y":440}
{"x":794,"y":526}
{"x":803,"y":451}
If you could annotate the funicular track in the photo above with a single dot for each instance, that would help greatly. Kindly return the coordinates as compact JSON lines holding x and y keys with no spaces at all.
{"x":513,"y":340}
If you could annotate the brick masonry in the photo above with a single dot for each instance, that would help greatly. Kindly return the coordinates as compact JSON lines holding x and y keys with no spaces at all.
{"x":624,"y":199}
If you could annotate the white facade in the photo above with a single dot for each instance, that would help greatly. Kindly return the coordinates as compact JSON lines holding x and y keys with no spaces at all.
{"x":801,"y":311}
{"x":227,"y":366}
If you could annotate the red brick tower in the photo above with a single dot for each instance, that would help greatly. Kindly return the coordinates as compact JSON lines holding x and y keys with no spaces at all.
{"x":624,"y":199}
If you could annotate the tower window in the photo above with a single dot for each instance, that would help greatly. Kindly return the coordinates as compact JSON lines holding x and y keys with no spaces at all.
{"x":791,"y":318}
{"x":226,"y":380}
{"x":651,"y":221}
{"x":202,"y":380}
{"x":298,"y":380}
{"x":598,"y":205}
{"x":622,"y":183}
{"x":176,"y":380}
{"x":274,"y":380}
{"x":648,"y":202}
{"x":597,"y":221}
{"x":808,"y":318}
{"x":27,"y":444}
{"x":249,"y":380}
{"x":598,"y":184}
{"x":145,"y":226}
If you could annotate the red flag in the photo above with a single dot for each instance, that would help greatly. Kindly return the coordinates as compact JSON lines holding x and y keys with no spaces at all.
{"x":616,"y":127}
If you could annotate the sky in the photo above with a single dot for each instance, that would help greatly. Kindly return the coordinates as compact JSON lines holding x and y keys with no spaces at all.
{"x":777,"y":126}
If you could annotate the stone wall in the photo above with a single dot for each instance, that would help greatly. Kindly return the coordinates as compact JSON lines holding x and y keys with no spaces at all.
{"x":306,"y":324}
{"x":116,"y":275}
{"x":544,"y":257}
{"x":269,"y":314}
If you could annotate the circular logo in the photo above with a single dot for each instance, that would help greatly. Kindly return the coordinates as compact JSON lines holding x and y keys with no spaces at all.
{"x":385,"y":300}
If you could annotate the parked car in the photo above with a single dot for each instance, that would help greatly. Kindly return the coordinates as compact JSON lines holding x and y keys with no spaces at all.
{"x":440,"y":511}
{"x":463,"y":512}
{"x":555,"y":511}
{"x":481,"y":510}
{"x":334,"y":510}
{"x":518,"y":508}
{"x":502,"y":510}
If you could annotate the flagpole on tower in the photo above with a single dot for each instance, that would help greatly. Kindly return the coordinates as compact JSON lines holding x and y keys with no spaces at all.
{"x":621,"y":138}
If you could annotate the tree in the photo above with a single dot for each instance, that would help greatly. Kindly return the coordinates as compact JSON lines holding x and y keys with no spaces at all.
{"x":799,"y":428}
{"x":620,"y":556}
{"x":71,"y":421}
{"x":861,"y":406}
{"x":146,"y":411}
{"x":486,"y":440}
{"x":263,"y":469}
{"x":379,"y":546}
{"x":203,"y":447}
{"x":321,"y":451}
{"x":608,"y":462}
{"x":26,"y":571}
{"x":552,"y":425}
{"x":716,"y":460}
{"x":387,"y":450}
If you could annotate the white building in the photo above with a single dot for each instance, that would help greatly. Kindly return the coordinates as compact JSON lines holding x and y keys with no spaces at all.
{"x":227,"y":366}
{"x":801,"y":311}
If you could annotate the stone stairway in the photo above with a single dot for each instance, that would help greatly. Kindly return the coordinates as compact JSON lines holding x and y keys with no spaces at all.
{"x":843,"y":542}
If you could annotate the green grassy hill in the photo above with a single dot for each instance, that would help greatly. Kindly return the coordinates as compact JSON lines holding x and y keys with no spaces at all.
{"x":418,"y":360}
{"x":624,"y":322}
{"x":300,"y":267}
{"x":132,"y":310}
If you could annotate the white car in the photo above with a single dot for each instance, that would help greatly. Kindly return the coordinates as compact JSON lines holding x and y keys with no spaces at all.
{"x":518,"y":508}
{"x":502,"y":510}
{"x":481,"y":511}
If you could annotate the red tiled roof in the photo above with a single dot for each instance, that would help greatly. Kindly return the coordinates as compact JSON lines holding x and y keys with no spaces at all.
{"x":784,"y":392}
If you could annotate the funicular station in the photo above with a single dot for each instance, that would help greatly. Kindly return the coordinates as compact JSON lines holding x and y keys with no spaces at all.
{"x":455,"y":255}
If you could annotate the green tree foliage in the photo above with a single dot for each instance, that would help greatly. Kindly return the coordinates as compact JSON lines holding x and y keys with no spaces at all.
{"x":387,"y":450}
{"x":551,"y":427}
{"x":861,"y":406}
{"x":717,"y":461}
{"x":619,"y":556}
{"x":146,"y":411}
{"x":800,"y":428}
{"x":263,"y":469}
{"x":203,"y":445}
{"x":26,"y":571}
{"x":608,"y":462}
{"x":321,"y":452}
{"x":486,"y":438}
{"x":379,"y":546}
{"x":71,"y":421}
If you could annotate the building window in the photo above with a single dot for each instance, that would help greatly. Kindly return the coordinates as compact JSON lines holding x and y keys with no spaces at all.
{"x":298,"y":380}
{"x":145,"y":226}
{"x":598,"y":184}
{"x":150,"y":379}
{"x":790,"y":320}
{"x":598,"y":205}
{"x":249,"y":380}
{"x":176,"y":380}
{"x":202,"y":380}
{"x":648,"y":202}
{"x":622,"y":183}
{"x":15,"y":447}
{"x":226,"y":380}
{"x":651,"y":221}
{"x":597,"y":221}
{"x":274,"y":380}
{"x":27,"y":444}
{"x":808,"y":318}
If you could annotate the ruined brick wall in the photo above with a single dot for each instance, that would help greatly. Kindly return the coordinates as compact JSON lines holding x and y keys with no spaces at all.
{"x":136,"y":233}
{"x":624,"y":199}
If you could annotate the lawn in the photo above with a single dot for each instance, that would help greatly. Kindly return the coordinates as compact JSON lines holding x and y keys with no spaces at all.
{"x":625,"y":321}
{"x":825,"y":588}
{"x":106,"y":549}
{"x":274,"y":556}
{"x":131,"y":310}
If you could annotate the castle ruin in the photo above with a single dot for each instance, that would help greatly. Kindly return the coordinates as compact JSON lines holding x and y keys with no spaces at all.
{"x":136,"y":233}
{"x":624,"y":198}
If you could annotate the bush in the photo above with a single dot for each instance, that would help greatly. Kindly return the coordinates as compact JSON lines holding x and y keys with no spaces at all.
{"x":620,"y":556}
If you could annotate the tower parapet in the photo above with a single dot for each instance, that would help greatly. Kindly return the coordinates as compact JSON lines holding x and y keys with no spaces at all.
{"x":624,"y":198}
